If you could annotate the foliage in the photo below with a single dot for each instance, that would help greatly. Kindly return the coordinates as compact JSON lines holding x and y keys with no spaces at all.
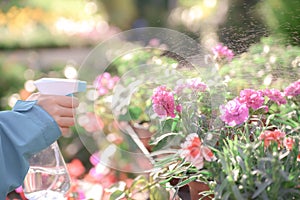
{"x":247,"y":170}
{"x":269,"y":63}
{"x":282,"y":17}
{"x":256,"y":158}
{"x":248,"y":148}
{"x":11,"y":81}
{"x":140,"y":188}
{"x":252,"y":165}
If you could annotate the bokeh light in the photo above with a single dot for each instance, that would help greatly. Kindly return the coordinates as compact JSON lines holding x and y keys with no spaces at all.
{"x":29,"y":86}
{"x":13,"y":99}
{"x":70,"y":72}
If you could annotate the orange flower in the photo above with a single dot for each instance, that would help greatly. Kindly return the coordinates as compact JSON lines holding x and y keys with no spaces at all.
{"x":272,"y":136}
{"x":193,"y":151}
{"x":288,"y":143}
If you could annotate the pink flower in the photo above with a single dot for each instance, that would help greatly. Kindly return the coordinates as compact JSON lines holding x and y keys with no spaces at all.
{"x":105,"y":82}
{"x":99,"y":171}
{"x":75,"y":191}
{"x":19,"y":189}
{"x":194,"y":152}
{"x":196,"y":85}
{"x":272,"y":136}
{"x":288,"y":143}
{"x":163,"y":102}
{"x":95,"y":159}
{"x":154,"y":42}
{"x":221,"y":52}
{"x":234,"y":113}
{"x":275,"y":95}
{"x":253,"y":99}
{"x":91,"y":122}
{"x":293,"y":89}
{"x":178,"y":108}
{"x":180,"y":88}
{"x":75,"y":168}
{"x":81,"y":195}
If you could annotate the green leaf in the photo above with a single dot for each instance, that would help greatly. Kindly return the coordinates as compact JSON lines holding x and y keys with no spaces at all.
{"x":167,"y":125}
{"x":261,"y":188}
{"x":186,"y":181}
{"x":174,"y":124}
{"x":158,"y":193}
{"x":165,"y":181}
{"x":236,"y":192}
{"x":220,"y":188}
{"x":164,"y":136}
{"x":161,"y":144}
{"x":118,"y":194}
{"x":133,"y":114}
{"x":139,"y":182}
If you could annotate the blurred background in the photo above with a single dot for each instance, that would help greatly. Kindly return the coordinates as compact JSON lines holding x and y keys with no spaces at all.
{"x":52,"y":38}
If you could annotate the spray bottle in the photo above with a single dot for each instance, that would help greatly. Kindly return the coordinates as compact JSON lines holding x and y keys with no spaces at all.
{"x":48,"y":177}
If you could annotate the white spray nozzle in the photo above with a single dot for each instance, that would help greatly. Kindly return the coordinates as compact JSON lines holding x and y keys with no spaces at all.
{"x":59,"y":86}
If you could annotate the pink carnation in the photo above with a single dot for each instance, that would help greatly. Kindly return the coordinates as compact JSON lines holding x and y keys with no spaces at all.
{"x":178,"y":108}
{"x":99,"y":171}
{"x":276,"y":96}
{"x":163,"y":102}
{"x":75,"y":168}
{"x":221,"y":52}
{"x":272,"y":136}
{"x":95,"y":159}
{"x":196,"y":85}
{"x":180,"y":88}
{"x":293,"y":89}
{"x":234,"y":113}
{"x":194,"y":152}
{"x":253,"y":99}
{"x":105,"y":82}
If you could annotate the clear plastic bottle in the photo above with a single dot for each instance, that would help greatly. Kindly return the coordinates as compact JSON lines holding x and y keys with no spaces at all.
{"x":47,"y":177}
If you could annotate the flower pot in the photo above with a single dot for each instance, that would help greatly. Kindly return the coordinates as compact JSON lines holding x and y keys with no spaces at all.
{"x":183,"y":192}
{"x":142,"y":130}
{"x":197,"y":187}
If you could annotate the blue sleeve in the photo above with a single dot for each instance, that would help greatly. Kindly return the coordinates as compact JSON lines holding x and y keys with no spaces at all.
{"x":24,"y":131}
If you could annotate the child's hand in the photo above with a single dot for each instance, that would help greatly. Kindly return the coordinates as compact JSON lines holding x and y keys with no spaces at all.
{"x":61,"y":108}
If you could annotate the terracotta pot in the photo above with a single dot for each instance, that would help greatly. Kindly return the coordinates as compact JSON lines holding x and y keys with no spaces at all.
{"x":197,"y":187}
{"x":183,"y":192}
{"x":142,"y":130}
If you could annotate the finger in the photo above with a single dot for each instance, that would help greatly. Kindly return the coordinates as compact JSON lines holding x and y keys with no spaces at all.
{"x":33,"y":96}
{"x":64,"y":112}
{"x":75,"y":102}
{"x":64,"y":130}
{"x":65,"y":121}
{"x":69,"y":102}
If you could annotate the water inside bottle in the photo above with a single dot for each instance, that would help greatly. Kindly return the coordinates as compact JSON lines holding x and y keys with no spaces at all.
{"x":49,"y":183}
{"x":46,"y":194}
